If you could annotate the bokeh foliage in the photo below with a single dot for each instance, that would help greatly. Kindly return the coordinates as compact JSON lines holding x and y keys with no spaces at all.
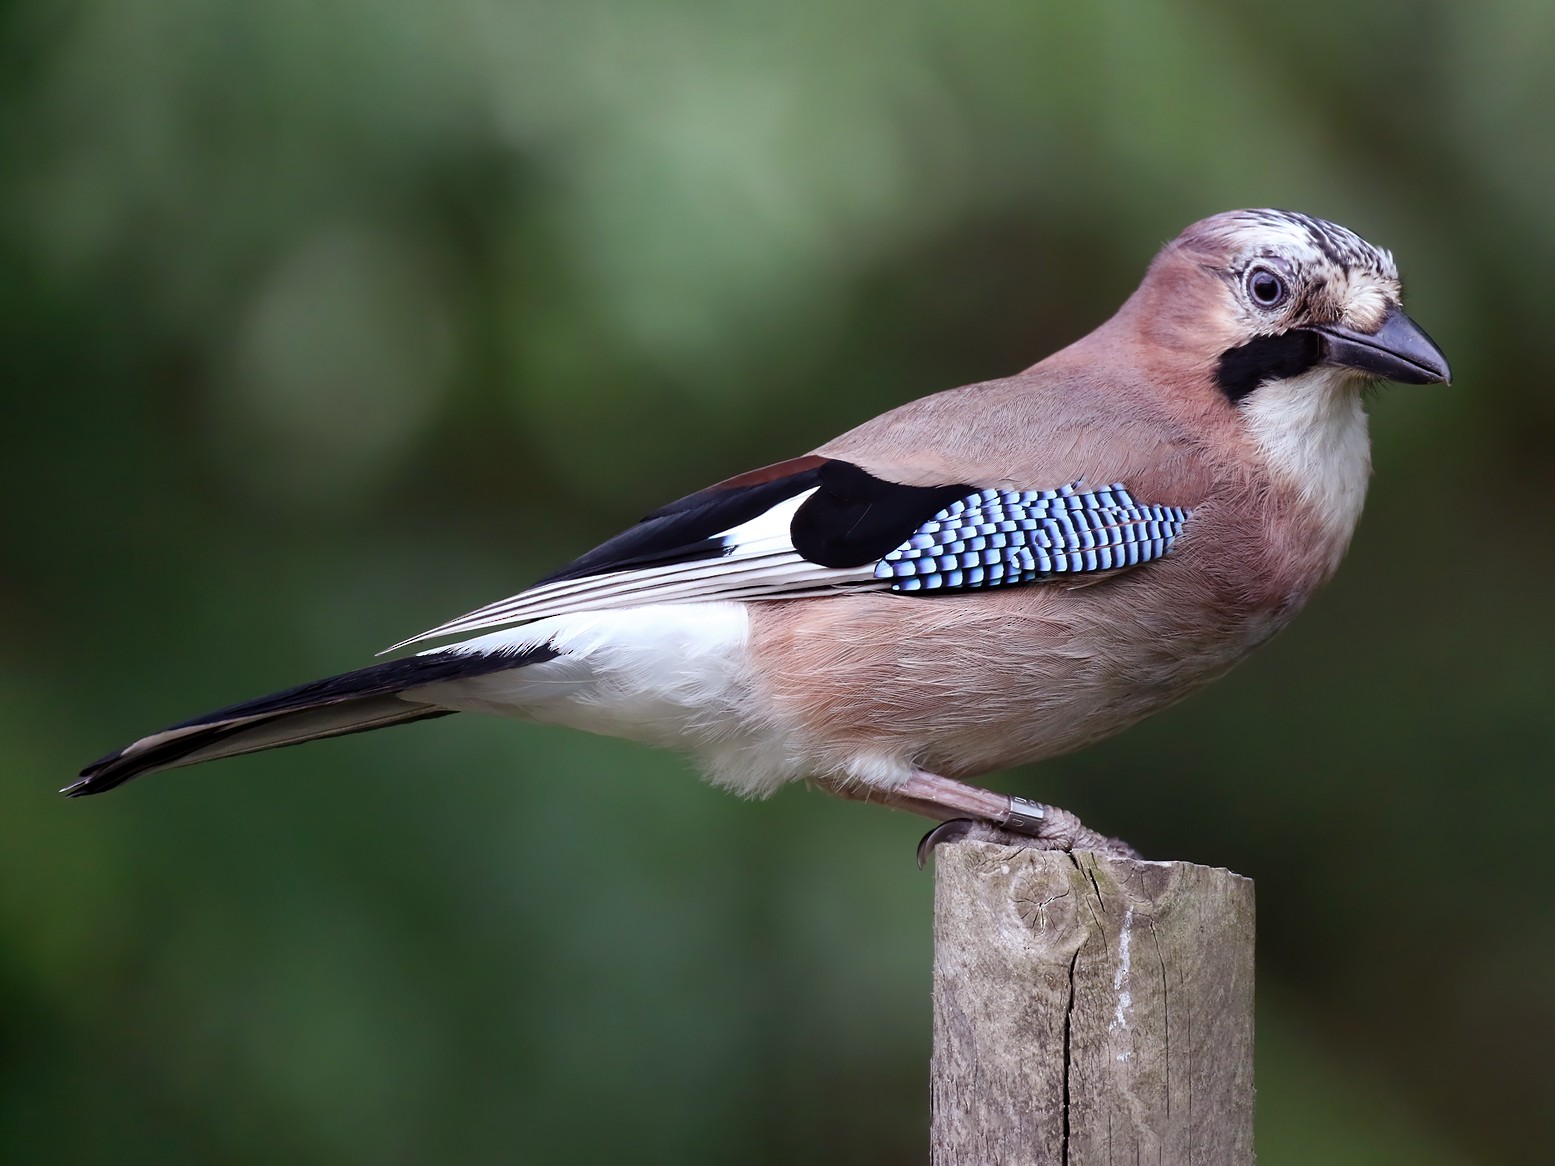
{"x":320,"y":322}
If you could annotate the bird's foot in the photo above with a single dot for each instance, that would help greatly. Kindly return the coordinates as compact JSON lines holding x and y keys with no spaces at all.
{"x":1030,"y":825}
{"x":968,"y":811}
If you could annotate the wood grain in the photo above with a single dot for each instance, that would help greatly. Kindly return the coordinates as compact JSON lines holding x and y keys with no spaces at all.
{"x":1090,"y":1010}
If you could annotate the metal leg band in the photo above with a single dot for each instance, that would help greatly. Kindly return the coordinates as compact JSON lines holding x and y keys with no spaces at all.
{"x":1024,"y":817}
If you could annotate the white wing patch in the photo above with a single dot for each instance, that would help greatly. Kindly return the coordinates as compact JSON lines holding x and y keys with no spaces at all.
{"x":760,"y":562}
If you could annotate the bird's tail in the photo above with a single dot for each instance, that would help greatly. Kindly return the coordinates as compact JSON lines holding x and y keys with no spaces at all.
{"x":369,"y":698}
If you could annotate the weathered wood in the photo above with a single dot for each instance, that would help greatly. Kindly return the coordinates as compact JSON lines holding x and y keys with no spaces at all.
{"x":1090,"y":1010}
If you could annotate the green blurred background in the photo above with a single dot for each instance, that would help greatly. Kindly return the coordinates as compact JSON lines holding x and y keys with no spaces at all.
{"x":323,"y":321}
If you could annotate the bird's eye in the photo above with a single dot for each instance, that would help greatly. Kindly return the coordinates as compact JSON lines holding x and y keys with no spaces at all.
{"x":1267,"y":289}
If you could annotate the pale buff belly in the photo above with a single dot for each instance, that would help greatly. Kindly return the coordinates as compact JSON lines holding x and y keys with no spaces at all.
{"x":877,"y":685}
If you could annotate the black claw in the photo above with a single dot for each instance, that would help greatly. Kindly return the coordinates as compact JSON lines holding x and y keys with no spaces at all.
{"x":951,"y":831}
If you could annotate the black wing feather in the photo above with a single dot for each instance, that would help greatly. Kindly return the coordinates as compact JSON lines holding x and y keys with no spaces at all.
{"x":852,"y":519}
{"x":856,"y":518}
{"x":688,"y":528}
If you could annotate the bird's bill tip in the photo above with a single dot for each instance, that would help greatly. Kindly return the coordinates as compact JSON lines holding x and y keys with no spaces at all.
{"x":1400,"y":351}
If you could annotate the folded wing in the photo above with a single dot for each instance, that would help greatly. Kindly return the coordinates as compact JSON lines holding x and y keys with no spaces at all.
{"x":817,"y":526}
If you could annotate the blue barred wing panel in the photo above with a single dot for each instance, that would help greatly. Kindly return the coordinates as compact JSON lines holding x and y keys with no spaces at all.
{"x":994,"y":538}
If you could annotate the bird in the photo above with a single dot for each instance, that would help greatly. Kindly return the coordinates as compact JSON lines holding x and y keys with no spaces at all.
{"x":989,"y":576}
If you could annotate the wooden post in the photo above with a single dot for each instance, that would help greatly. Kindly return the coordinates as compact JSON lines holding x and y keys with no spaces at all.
{"x":1090,"y":1010}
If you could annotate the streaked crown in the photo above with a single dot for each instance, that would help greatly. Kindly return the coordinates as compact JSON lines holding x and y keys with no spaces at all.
{"x":1335,"y":275}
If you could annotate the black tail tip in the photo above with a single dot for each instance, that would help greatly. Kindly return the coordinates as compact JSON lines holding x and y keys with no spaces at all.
{"x":98,"y":777}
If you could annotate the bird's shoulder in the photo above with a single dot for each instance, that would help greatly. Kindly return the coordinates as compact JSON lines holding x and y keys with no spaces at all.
{"x":1050,"y":425}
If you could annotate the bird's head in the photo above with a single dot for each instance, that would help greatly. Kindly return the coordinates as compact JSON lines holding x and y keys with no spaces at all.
{"x":1270,"y":295}
{"x":1286,"y":318}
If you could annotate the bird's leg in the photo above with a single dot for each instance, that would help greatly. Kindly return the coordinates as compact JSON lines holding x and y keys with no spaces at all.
{"x":970,"y":811}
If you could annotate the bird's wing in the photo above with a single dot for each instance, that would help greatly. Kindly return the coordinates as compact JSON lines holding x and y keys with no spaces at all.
{"x":817,"y":525}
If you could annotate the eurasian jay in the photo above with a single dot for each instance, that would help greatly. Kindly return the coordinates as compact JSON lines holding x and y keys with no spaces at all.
{"x":989,"y":576}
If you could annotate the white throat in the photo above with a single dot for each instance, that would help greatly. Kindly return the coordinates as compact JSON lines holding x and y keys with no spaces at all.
{"x":1312,"y":430}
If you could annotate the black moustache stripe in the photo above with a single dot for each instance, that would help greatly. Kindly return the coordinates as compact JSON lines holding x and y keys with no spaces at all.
{"x":1267,"y":358}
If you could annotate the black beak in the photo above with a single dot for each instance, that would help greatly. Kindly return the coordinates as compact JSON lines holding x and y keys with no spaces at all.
{"x":1398,"y":351}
